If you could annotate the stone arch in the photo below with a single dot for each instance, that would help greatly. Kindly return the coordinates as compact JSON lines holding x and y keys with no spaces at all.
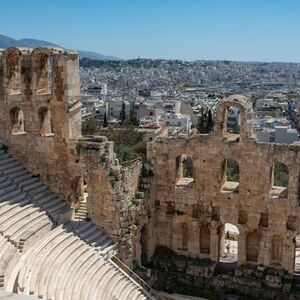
{"x":13,"y":71}
{"x":279,"y":180}
{"x":252,"y":246}
{"x":45,"y":124}
{"x":204,"y":239}
{"x":184,"y":236}
{"x":229,"y":236}
{"x":245,"y":108}
{"x":77,"y":191}
{"x":17,"y":120}
{"x":43,"y":71}
{"x":276,"y":253}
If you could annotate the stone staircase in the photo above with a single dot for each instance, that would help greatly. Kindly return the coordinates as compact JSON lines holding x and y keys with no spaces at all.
{"x":81,"y":212}
{"x":44,"y":254}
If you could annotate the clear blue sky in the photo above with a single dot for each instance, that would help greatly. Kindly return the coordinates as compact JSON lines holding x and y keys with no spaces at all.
{"x":256,"y":30}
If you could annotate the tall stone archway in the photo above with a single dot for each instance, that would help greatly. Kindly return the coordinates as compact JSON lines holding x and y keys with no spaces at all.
{"x":205,"y":239}
{"x":144,"y":244}
{"x":252,"y":246}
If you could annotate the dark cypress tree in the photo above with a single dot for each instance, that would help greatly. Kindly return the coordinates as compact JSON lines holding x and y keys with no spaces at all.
{"x":122,"y":114}
{"x":210,"y":122}
{"x":132,"y":118}
{"x":202,"y":123}
{"x":105,"y":120}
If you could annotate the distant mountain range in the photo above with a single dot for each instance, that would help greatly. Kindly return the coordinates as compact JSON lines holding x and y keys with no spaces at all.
{"x":6,"y":41}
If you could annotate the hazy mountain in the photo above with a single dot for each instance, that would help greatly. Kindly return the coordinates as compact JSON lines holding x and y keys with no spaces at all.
{"x":6,"y":42}
{"x":32,"y":43}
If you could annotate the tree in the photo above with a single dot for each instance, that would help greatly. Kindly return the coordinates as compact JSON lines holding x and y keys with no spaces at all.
{"x":202,"y":122}
{"x":205,"y":122}
{"x":210,"y":122}
{"x":132,"y":118}
{"x":105,"y":120}
{"x":122,"y":114}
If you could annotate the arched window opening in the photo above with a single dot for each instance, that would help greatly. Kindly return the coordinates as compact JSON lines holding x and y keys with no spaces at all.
{"x":232,"y":124}
{"x":252,"y":246}
{"x":45,"y":121}
{"x":276,"y":249}
{"x":229,"y":244}
{"x":205,"y":239}
{"x":13,"y":65}
{"x":231,"y":176}
{"x":43,"y":73}
{"x":279,"y":180}
{"x":184,"y":170}
{"x":17,"y":120}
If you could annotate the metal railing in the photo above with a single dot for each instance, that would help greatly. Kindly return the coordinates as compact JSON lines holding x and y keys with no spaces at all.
{"x":136,"y":278}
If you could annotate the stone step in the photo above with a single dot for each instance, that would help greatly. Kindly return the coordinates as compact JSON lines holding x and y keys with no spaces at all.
{"x":54,"y":259}
{"x":31,"y":284}
{"x":72,"y":253}
{"x":10,"y":188}
{"x":38,"y":189}
{"x":29,"y":230}
{"x":66,"y":278}
{"x":13,"y":194}
{"x":56,"y":208}
{"x":27,"y":182}
{"x":86,"y":277}
{"x":34,"y":254}
{"x":10,"y":214}
{"x":7,"y":165}
{"x":4,"y":155}
{"x":19,"y":227}
{"x":5,"y":184}
{"x":7,"y":160}
{"x":14,"y":170}
{"x":21,"y":176}
{"x":24,"y":220}
{"x":42,"y":196}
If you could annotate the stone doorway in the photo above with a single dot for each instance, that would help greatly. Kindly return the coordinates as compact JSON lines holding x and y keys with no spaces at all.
{"x":144,"y":245}
{"x":297,"y":257}
{"x":229,"y":244}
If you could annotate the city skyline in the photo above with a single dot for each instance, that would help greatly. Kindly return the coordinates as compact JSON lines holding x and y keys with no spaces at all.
{"x":189,"y":30}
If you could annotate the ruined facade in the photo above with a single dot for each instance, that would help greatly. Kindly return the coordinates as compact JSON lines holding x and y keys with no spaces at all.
{"x":191,"y":212}
{"x":186,"y":192}
{"x":40,"y":124}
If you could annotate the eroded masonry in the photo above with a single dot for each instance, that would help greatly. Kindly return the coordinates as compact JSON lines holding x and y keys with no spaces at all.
{"x":191,"y":211}
{"x":182,"y":199}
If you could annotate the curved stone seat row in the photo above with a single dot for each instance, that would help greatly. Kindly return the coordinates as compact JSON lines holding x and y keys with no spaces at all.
{"x":16,"y":183}
{"x":49,"y":261}
{"x":63,"y":266}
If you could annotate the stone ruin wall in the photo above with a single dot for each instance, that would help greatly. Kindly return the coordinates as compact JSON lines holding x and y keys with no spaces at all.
{"x":189,"y":218}
{"x":40,"y":124}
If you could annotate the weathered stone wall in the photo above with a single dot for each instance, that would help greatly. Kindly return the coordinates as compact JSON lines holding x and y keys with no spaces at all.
{"x":190,"y":214}
{"x":40,"y":123}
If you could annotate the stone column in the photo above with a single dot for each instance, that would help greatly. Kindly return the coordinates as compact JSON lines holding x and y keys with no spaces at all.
{"x":288,"y":253}
{"x":265,"y":249}
{"x":214,"y":243}
{"x":242,"y":246}
{"x":195,"y":250}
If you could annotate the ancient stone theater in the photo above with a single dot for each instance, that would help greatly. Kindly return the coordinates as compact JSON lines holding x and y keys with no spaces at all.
{"x":75,"y":223}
